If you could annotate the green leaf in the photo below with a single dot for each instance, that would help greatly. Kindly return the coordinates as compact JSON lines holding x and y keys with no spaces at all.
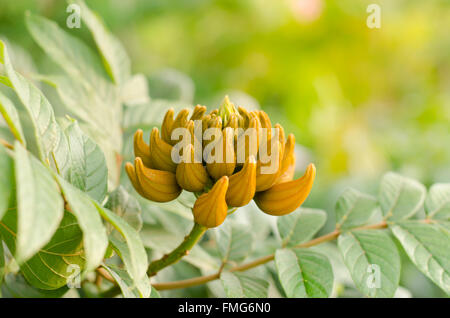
{"x":400,"y":197}
{"x":130,"y":288}
{"x":115,"y":58}
{"x":6,"y":181}
{"x":15,"y":286}
{"x":125,"y":206}
{"x":9,"y":113}
{"x":87,"y":169}
{"x":45,"y":129}
{"x":437,"y":203}
{"x":5,"y":81}
{"x":40,"y":206}
{"x":372,"y":260}
{"x":87,"y":91}
{"x":234,"y":241}
{"x":354,"y":208}
{"x":57,"y":263}
{"x":239,"y":285}
{"x":300,"y":226}
{"x":427,"y":245}
{"x":304,"y":273}
{"x":170,"y":84}
{"x":2,"y":261}
{"x":131,"y":252}
{"x":70,"y":53}
{"x":95,"y":240}
{"x":135,"y":91}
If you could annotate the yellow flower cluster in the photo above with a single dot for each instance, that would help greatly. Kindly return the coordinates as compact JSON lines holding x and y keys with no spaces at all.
{"x":220,"y":185}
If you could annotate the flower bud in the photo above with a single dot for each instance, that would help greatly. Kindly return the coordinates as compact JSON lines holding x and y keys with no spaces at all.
{"x":283,"y":198}
{"x":141,"y":149}
{"x":131,"y":172}
{"x":223,"y":162}
{"x":190,"y":175}
{"x":161,"y":153}
{"x":242,"y":185}
{"x":166,"y":126}
{"x":210,"y":209}
{"x":156,"y":185}
{"x":288,"y":162}
{"x":180,"y":122}
{"x":198,"y":112}
{"x":265,"y":180}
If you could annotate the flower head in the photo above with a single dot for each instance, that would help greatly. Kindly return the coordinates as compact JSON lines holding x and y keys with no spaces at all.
{"x":227,"y":157}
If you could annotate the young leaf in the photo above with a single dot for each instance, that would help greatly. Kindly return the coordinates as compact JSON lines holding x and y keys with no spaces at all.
{"x":39,"y":203}
{"x":9,"y":113}
{"x":87,"y":169}
{"x":400,"y":197}
{"x":45,"y":128}
{"x":54,"y":265}
{"x":132,"y":251}
{"x":354,"y":208}
{"x":234,"y":241}
{"x":125,"y":206}
{"x":130,"y":288}
{"x":300,"y":226}
{"x":427,"y":246}
{"x":115,"y":58}
{"x":372,"y":260}
{"x":437,"y":203}
{"x":6,"y":181}
{"x":304,"y":273}
{"x":239,"y":285}
{"x":95,"y":240}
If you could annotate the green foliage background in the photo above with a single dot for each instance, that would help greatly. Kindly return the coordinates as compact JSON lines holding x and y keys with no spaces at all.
{"x":360,"y":101}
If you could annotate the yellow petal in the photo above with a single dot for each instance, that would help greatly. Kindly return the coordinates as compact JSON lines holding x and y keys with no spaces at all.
{"x":283,"y":198}
{"x":179,"y":122}
{"x":210,"y":209}
{"x":226,"y":156}
{"x":156,"y":185}
{"x":141,"y":149}
{"x":161,"y":153}
{"x":248,"y":142}
{"x":131,"y":172}
{"x":288,"y":173}
{"x":242,"y":185}
{"x":198,"y":112}
{"x":166,"y":126}
{"x":265,"y":180}
{"x":288,"y":162}
{"x":191,"y":176}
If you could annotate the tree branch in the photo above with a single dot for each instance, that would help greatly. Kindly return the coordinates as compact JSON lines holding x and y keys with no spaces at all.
{"x":260,"y":261}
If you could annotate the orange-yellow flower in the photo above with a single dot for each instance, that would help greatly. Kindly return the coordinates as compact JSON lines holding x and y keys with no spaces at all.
{"x":220,"y":184}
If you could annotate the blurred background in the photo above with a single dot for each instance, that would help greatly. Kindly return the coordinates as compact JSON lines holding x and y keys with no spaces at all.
{"x":360,"y":101}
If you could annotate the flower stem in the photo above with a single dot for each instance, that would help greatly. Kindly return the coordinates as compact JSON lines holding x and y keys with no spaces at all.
{"x":183,"y":249}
